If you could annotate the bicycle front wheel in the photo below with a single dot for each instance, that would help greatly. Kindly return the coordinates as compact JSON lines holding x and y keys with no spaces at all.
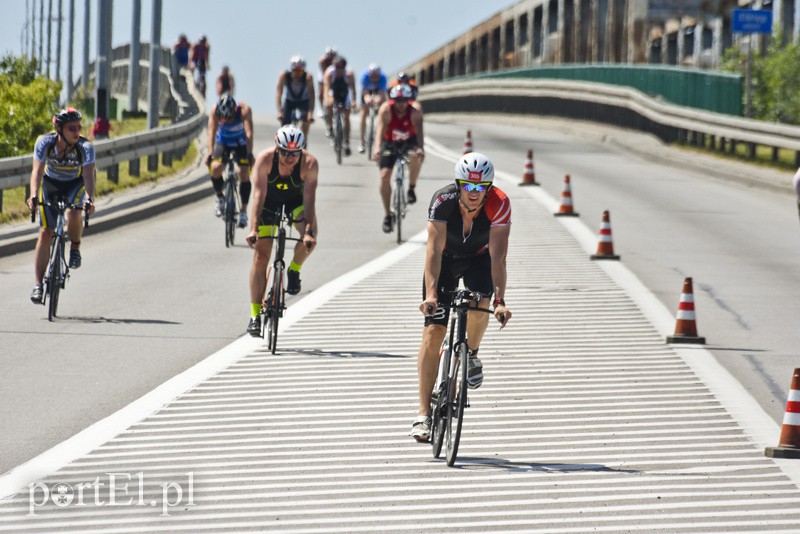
{"x":370,"y":136}
{"x":455,"y":415}
{"x":274,"y":307}
{"x":55,"y":276}
{"x":230,"y":211}
{"x":398,"y":204}
{"x":338,"y":138}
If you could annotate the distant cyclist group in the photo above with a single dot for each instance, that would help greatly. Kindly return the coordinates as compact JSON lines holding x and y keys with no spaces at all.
{"x":468,"y":221}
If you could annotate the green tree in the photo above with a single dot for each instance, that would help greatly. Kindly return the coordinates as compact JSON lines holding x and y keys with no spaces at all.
{"x":27,"y":105}
{"x":775,"y":78}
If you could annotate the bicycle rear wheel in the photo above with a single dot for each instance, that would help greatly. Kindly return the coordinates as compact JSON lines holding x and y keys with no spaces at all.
{"x":274,"y":307}
{"x":55,"y":276}
{"x":439,"y":404}
{"x":455,"y":416}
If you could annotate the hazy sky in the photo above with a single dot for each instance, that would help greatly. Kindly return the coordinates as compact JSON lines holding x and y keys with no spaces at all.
{"x":256,"y":38}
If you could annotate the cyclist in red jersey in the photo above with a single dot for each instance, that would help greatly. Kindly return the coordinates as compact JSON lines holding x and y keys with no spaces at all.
{"x":398,"y":126}
{"x":469,"y":222}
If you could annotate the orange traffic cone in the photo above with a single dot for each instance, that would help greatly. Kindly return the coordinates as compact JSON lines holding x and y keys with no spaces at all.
{"x":468,"y":142}
{"x":529,"y":178}
{"x":565,"y":210}
{"x":789,"y":444}
{"x":686,"y":326}
{"x":605,"y":245}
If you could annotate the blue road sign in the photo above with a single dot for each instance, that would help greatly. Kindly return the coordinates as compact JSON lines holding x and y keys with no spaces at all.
{"x":751,"y":21}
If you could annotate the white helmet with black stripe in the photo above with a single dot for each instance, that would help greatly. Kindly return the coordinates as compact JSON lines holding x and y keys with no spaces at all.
{"x":290,"y":138}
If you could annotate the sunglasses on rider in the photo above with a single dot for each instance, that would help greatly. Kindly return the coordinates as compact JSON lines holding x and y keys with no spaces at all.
{"x":479,"y":187}
{"x":289,"y":153}
{"x":74,"y":128}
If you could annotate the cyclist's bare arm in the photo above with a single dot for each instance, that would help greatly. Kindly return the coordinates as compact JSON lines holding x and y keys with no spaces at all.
{"x":247,"y":119}
{"x":279,"y":93}
{"x":326,"y":88}
{"x":311,"y":95}
{"x":437,"y":237}
{"x":351,"y":83}
{"x":498,"y":249}
{"x":416,"y":120}
{"x":213,"y":124}
{"x":382,"y":119}
{"x":37,"y":171}
{"x":309,"y":175}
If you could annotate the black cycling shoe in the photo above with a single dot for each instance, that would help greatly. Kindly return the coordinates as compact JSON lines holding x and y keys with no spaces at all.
{"x":293,"y":287}
{"x":74,"y":258}
{"x":412,"y":196}
{"x":387,"y":224}
{"x":37,"y":295}
{"x":254,"y":326}
{"x":347,"y":150}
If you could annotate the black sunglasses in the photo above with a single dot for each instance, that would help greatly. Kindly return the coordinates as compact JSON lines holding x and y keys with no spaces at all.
{"x":289,"y":153}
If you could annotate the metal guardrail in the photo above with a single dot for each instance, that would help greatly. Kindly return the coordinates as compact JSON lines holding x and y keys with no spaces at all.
{"x":15,"y":171}
{"x":621,"y":106}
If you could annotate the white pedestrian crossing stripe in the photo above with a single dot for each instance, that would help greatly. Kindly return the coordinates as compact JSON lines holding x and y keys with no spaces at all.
{"x":586,"y":421}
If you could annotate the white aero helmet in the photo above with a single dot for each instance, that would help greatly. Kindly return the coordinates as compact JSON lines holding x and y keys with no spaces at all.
{"x":290,"y":138}
{"x":297,"y":63}
{"x":401,"y":91}
{"x":474,"y":167}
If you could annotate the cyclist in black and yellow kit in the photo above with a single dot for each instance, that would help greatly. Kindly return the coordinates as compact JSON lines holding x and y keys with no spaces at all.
{"x":285,"y":175}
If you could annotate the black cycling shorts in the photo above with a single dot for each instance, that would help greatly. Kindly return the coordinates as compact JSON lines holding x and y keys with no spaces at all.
{"x":477,"y":274}
{"x":240,"y":154}
{"x":390,"y":151}
{"x":289,"y":107}
{"x":71,"y":190}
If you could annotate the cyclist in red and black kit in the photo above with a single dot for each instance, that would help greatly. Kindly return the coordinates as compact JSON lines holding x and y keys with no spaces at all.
{"x":469,"y":222}
{"x":399,"y":127}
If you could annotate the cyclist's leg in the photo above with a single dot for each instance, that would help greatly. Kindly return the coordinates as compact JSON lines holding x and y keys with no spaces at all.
{"x":258,"y":270}
{"x":243,"y":160}
{"x":346,"y":118}
{"x":47,"y":222}
{"x":478,"y":277}
{"x":386,"y":165}
{"x":432,"y":336}
{"x":301,"y":252}
{"x":74,"y":222}
{"x":305,"y":119}
{"x":415,"y":163}
{"x":364,"y":113}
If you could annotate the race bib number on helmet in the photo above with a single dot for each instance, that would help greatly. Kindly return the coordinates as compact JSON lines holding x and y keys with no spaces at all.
{"x":475,"y":176}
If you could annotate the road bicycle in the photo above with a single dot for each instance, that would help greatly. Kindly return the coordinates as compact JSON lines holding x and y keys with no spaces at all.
{"x":338,"y":130}
{"x":273,"y":304}
{"x":449,"y":399}
{"x":231,"y":199}
{"x":57,"y":271}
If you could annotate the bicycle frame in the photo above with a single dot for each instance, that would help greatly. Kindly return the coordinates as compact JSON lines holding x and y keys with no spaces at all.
{"x":451,"y":383}
{"x":273,"y":303}
{"x":57,"y":270}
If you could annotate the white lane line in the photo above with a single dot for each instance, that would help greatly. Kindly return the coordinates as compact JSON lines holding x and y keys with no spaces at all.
{"x":82,"y":443}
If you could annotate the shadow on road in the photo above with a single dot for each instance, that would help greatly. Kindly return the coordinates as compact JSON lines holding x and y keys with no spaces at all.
{"x":110,"y":320}
{"x":343,"y":354}
{"x":532,"y":467}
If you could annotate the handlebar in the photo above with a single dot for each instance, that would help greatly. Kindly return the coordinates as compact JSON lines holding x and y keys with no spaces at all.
{"x":60,"y":205}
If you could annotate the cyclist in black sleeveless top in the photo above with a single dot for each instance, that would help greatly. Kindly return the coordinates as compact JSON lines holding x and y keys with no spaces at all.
{"x":295,"y":93}
{"x":225,"y":83}
{"x":340,"y":88}
{"x":283,"y":176}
